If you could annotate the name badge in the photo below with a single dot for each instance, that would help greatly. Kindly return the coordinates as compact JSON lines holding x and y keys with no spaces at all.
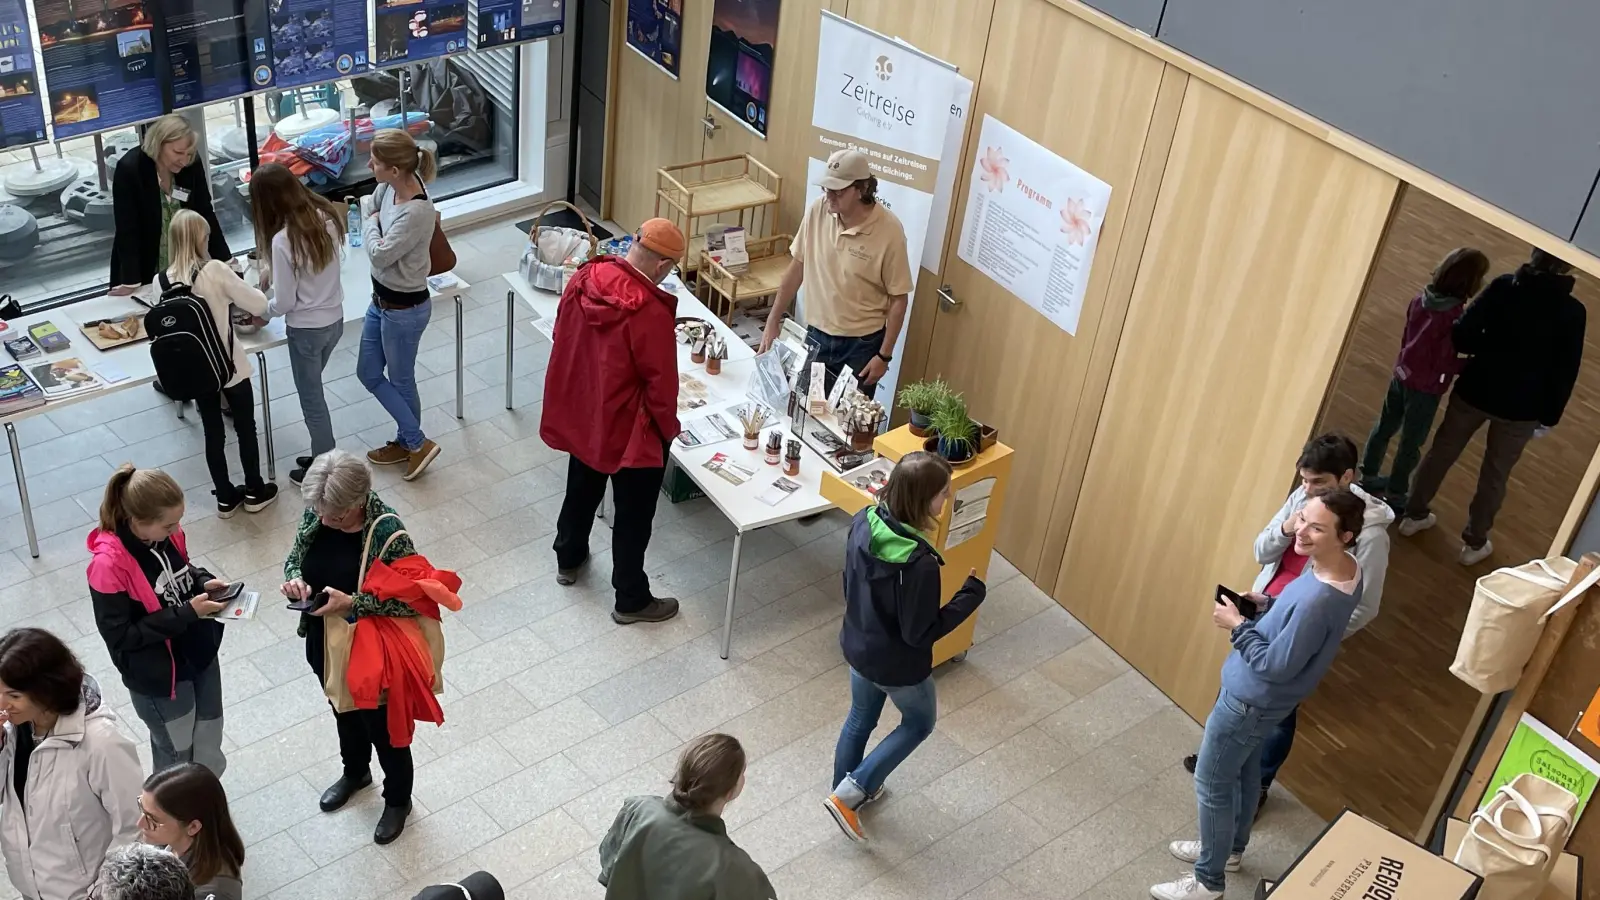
{"x":180,"y":195}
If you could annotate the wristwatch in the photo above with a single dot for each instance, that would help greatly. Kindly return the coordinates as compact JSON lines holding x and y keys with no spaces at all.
{"x":886,"y":358}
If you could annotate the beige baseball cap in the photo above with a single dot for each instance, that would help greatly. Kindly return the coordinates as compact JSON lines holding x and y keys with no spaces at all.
{"x":845,"y":167}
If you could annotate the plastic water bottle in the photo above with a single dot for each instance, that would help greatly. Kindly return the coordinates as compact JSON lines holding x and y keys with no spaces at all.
{"x":353,"y":221}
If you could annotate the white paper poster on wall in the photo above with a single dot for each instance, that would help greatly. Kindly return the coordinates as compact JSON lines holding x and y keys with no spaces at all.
{"x":892,"y":102}
{"x":1032,"y":222}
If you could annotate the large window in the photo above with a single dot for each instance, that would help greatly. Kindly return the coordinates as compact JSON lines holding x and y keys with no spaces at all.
{"x":466,"y":107}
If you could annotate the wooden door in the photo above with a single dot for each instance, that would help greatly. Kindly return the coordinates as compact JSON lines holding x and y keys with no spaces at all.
{"x":956,"y":31}
{"x":1259,"y":248}
{"x":1090,"y":98}
{"x":655,"y":118}
{"x":794,"y":79}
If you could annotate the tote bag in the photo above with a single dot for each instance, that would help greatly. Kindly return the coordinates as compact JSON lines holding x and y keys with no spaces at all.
{"x":1503,"y":624}
{"x":1516,"y":838}
{"x":338,"y":634}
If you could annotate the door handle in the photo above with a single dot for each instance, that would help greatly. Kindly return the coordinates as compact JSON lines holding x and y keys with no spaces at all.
{"x":710,"y":124}
{"x":947,"y":299}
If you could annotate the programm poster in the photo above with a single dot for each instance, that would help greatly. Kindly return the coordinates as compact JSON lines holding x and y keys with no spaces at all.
{"x":1032,"y":222}
{"x":744,"y":44}
{"x":655,"y":30}
{"x":413,"y":30}
{"x":307,"y":42}
{"x":99,"y":60}
{"x":21,"y":104}
{"x":509,"y":21}
{"x":208,"y":49}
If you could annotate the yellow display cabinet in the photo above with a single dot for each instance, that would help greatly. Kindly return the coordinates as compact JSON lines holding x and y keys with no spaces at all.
{"x":967,"y":527}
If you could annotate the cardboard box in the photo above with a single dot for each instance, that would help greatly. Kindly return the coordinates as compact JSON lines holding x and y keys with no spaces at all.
{"x":1357,"y":859}
{"x":1566,"y":882}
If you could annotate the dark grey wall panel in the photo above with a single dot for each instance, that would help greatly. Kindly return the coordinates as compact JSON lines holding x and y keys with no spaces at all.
{"x":1500,"y":98}
{"x":1141,"y":14}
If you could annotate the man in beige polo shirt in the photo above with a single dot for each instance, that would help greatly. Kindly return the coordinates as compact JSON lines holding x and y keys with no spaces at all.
{"x":850,"y":254}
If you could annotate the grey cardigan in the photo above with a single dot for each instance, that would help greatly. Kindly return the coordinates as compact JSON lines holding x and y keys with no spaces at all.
{"x":396,"y":238}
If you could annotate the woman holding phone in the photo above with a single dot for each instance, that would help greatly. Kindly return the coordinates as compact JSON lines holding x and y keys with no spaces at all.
{"x":154,"y":609}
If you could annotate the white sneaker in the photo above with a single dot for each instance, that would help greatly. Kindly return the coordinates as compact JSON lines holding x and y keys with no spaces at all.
{"x":1471,"y":557}
{"x":1408,"y":527}
{"x":1185,"y":888}
{"x":1189,"y":852}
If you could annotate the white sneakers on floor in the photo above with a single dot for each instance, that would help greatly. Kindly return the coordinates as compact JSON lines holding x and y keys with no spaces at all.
{"x":1471,"y":557}
{"x":1189,"y":852}
{"x":1409,"y":527}
{"x":1185,"y":888}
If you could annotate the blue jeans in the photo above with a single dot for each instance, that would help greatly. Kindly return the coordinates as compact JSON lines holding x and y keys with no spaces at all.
{"x":1275,"y":749}
{"x":1227,"y":778}
{"x":855,"y":779}
{"x":387,"y":365}
{"x":839,"y":353}
{"x":309,"y":352}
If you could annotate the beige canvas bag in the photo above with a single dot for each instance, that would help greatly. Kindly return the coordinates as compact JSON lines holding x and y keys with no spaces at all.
{"x":1516,"y":838}
{"x":1503,"y":624}
{"x":338,"y":635}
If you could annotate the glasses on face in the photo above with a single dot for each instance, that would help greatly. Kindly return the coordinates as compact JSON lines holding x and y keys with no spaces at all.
{"x":146,"y":821}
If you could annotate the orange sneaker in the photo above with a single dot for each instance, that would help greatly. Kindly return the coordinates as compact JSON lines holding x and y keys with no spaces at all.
{"x":849,"y":821}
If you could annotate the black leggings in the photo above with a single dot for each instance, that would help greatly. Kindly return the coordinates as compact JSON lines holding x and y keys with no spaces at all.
{"x":241,"y":399}
{"x":362,"y":731}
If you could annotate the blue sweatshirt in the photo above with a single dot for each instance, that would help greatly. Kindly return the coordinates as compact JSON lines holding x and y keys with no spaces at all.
{"x":1278,"y":659}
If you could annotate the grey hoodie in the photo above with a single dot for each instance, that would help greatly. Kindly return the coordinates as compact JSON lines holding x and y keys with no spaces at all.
{"x":1371,"y":551}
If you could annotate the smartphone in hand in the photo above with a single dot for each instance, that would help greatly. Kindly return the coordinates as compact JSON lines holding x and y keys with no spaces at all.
{"x":1245,"y":605}
{"x":311,"y":604}
{"x":227,"y":593}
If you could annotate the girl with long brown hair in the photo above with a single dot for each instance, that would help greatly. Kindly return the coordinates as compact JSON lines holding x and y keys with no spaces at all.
{"x":306,"y":234}
{"x":396,"y":228}
{"x":185,"y":809}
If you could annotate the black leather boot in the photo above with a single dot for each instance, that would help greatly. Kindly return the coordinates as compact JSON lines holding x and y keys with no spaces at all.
{"x":342,"y":790}
{"x":391,"y":824}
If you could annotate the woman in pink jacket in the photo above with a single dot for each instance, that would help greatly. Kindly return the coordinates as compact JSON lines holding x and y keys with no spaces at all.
{"x":1422,"y":374}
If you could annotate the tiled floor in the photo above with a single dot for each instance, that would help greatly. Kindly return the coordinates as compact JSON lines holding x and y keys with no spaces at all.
{"x":1053,"y":773}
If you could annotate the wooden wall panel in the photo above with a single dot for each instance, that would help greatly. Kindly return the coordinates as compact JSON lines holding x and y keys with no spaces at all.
{"x":1257,"y":255}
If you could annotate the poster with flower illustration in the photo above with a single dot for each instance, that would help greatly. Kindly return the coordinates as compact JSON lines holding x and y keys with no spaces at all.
{"x":1032,"y":222}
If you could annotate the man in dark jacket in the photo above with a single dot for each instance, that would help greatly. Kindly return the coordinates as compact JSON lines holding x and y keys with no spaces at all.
{"x":1524,"y":337}
{"x":611,"y":402}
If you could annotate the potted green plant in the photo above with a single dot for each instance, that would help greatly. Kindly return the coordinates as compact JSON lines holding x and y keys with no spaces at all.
{"x":956,"y":434}
{"x":922,"y":398}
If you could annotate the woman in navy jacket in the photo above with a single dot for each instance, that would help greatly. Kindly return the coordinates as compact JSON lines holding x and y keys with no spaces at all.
{"x":892,"y":619}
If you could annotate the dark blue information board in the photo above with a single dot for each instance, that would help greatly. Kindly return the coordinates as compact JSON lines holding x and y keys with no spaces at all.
{"x":294,"y":43}
{"x":509,"y":21}
{"x":412,"y":30}
{"x":99,"y":61}
{"x":21,"y":105}
{"x":208,"y":49}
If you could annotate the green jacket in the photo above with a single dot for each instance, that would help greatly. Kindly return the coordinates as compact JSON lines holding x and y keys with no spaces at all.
{"x":657,"y":850}
{"x":365,"y":604}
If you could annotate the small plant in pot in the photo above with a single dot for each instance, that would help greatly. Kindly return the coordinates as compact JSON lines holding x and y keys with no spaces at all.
{"x":956,"y":434}
{"x":922,"y":398}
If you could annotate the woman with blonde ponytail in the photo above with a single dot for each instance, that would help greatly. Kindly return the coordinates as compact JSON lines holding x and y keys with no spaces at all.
{"x":396,"y":229}
{"x":677,"y":847}
{"x":152,"y":609}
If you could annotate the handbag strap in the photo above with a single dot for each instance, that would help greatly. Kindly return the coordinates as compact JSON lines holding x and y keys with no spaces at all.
{"x":366,"y":545}
{"x":1577,"y":591}
{"x":1554,"y":581}
{"x":465,"y":894}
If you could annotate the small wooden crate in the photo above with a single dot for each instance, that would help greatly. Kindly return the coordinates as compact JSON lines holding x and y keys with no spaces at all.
{"x":769,"y":259}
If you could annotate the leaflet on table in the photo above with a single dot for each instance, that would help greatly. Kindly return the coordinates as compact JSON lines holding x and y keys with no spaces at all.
{"x":694,"y":393}
{"x":509,"y":21}
{"x":731,"y":472}
{"x":412,"y":30}
{"x":65,"y":377}
{"x":99,"y":61}
{"x":778,"y":491}
{"x":709,"y":429}
{"x":300,"y":42}
{"x":21,"y":103}
{"x":208,"y":49}
{"x":546,"y":327}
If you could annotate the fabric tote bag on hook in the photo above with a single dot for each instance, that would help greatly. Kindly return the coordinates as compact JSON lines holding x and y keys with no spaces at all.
{"x":1515,"y":840}
{"x":1504,"y":623}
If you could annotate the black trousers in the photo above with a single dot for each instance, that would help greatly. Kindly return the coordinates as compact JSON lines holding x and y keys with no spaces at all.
{"x":362,"y":731}
{"x":635,"y":491}
{"x":241,"y":399}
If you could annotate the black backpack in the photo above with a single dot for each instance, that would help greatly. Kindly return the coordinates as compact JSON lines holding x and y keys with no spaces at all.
{"x":190,"y":358}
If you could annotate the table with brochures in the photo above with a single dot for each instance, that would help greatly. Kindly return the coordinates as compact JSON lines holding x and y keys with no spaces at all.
{"x":742,"y":503}
{"x":133,"y":368}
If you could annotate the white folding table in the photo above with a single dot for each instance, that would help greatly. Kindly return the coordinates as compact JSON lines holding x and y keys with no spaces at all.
{"x":738,"y":502}
{"x":134,"y":359}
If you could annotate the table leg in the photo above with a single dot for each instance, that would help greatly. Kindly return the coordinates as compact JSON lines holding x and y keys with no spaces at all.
{"x":511,"y":321}
{"x":461,"y":381}
{"x":266,"y":415}
{"x":22,"y":489}
{"x":733,"y":589}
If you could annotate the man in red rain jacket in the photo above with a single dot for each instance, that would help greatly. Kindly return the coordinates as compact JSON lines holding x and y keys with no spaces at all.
{"x":611,"y":403}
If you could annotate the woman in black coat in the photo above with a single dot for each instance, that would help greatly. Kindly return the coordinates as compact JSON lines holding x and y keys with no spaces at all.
{"x":152,"y":182}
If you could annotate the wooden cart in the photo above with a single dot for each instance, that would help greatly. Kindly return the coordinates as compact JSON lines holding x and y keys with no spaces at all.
{"x":769,"y":259}
{"x":730,"y":190}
